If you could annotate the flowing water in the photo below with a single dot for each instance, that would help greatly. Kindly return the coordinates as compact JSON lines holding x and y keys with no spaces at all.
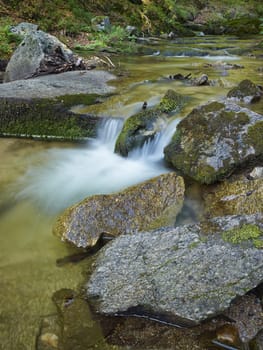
{"x":38,"y":179}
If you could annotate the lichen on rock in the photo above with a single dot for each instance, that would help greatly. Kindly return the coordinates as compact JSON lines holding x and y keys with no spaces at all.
{"x":246,"y":91}
{"x":144,"y":125}
{"x":176,"y":271}
{"x":214,"y":140}
{"x":151,"y":204}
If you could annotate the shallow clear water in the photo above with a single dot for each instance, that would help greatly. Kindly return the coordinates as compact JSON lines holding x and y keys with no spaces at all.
{"x":39,"y":179}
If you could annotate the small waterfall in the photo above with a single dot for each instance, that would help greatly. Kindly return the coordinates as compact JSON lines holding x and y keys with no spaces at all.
{"x":66,"y":176}
{"x":108,"y":132}
{"x":153,"y":149}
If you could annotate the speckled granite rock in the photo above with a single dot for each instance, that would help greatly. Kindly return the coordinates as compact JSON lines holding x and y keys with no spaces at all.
{"x":192,"y":271}
{"x":149,"y":205}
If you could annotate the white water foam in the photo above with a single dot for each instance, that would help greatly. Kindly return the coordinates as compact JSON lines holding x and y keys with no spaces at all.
{"x":69,"y":175}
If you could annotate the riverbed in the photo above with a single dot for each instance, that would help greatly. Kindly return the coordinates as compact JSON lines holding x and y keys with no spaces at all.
{"x":39,"y":179}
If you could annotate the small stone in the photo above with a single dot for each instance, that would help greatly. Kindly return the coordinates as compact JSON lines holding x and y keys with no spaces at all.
{"x":228,"y":334}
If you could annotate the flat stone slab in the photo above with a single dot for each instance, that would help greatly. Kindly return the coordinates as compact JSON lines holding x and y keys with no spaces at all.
{"x":192,"y":272}
{"x":52,"y":85}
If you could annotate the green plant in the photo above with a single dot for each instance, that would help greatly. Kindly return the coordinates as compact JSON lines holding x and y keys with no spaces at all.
{"x":117,"y":38}
{"x":8,"y":40}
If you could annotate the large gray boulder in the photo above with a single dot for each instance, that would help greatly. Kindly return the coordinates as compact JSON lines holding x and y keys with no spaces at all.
{"x":40,"y":53}
{"x":214,"y":140}
{"x":192,"y":272}
{"x":151,"y":204}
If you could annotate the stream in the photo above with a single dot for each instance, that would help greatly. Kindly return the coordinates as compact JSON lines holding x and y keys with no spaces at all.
{"x":40,"y":179}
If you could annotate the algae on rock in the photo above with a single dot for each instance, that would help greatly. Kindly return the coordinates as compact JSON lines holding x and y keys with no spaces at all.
{"x":151,"y":204}
{"x":45,"y":118}
{"x":214,"y":140}
{"x":234,"y":197}
{"x":143,"y":126}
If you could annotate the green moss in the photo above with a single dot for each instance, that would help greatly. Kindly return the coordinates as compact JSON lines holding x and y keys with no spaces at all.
{"x":258,"y":243}
{"x":78,"y":99}
{"x":254,"y":137}
{"x":143,"y":126}
{"x":171,"y":101}
{"x":243,"y":233}
{"x":44,"y":118}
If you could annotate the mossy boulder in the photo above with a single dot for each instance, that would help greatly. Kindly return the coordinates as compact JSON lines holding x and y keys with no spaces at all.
{"x":246,"y":91}
{"x":234,"y":197}
{"x":151,"y":204}
{"x":46,"y":118}
{"x":214,"y":140}
{"x":143,"y":126}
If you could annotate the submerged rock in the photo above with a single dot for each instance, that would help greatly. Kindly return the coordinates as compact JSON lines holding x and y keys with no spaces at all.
{"x":257,"y":342}
{"x":151,"y":204}
{"x":200,"y":81}
{"x":214,"y":140}
{"x":234,"y":197}
{"x":246,"y":91}
{"x":72,"y":327}
{"x":191,"y":272}
{"x":247,"y":313}
{"x":40,"y":53}
{"x":143,"y":126}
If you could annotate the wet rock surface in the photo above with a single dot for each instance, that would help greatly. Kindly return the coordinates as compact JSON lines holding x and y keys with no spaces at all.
{"x":151,"y":204}
{"x":246,"y":91}
{"x":191,"y":272}
{"x":46,"y":119}
{"x":234,"y":197}
{"x":214,"y":140}
{"x":72,"y":327}
{"x":247,"y":315}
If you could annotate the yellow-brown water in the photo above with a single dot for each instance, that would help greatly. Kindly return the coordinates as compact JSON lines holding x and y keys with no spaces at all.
{"x":28,"y":272}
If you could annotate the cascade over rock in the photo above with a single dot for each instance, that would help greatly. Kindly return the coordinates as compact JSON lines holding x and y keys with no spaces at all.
{"x":151,"y":204}
{"x":214,"y":140}
{"x":191,"y":271}
{"x":143,"y":126}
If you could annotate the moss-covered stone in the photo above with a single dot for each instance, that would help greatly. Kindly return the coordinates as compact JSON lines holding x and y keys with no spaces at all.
{"x":143,"y":126}
{"x":152,"y":204}
{"x":137,"y":130}
{"x":234,"y":197}
{"x":246,"y":91}
{"x":171,"y":101}
{"x":254,"y":136}
{"x":45,"y":119}
{"x":214,"y":140}
{"x":243,"y":233}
